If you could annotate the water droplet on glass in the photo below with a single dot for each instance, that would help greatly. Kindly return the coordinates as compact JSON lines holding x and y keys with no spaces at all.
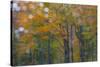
{"x":46,"y":9}
{"x":41,"y":4}
{"x":21,"y":29}
{"x":16,"y":7}
{"x":30,"y":16}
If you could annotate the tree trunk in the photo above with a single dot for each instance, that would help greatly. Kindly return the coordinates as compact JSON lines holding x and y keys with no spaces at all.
{"x":66,"y":51}
{"x":41,"y":59}
{"x":81,"y":43}
{"x":71,"y":35}
{"x":49,"y":50}
{"x":66,"y":48}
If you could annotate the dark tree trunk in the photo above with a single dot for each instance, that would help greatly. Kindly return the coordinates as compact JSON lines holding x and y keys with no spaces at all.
{"x":66,"y":48}
{"x":49,"y":49}
{"x":66,"y":51}
{"x":40,"y":51}
{"x":81,"y":43}
{"x":31,"y":56}
{"x":71,"y":36}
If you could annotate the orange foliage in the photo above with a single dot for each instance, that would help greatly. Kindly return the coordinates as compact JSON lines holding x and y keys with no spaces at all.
{"x":39,"y":16}
{"x":43,"y":29}
{"x":21,"y":49}
{"x":31,"y":6}
{"x":31,"y":44}
{"x":26,"y":37}
{"x":44,"y":37}
{"x":23,"y":20}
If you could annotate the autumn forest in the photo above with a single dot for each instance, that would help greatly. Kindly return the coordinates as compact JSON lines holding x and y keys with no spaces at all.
{"x":52,"y":33}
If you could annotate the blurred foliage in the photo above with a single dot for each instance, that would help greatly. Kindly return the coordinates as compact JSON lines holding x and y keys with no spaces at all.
{"x":48,"y":33}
